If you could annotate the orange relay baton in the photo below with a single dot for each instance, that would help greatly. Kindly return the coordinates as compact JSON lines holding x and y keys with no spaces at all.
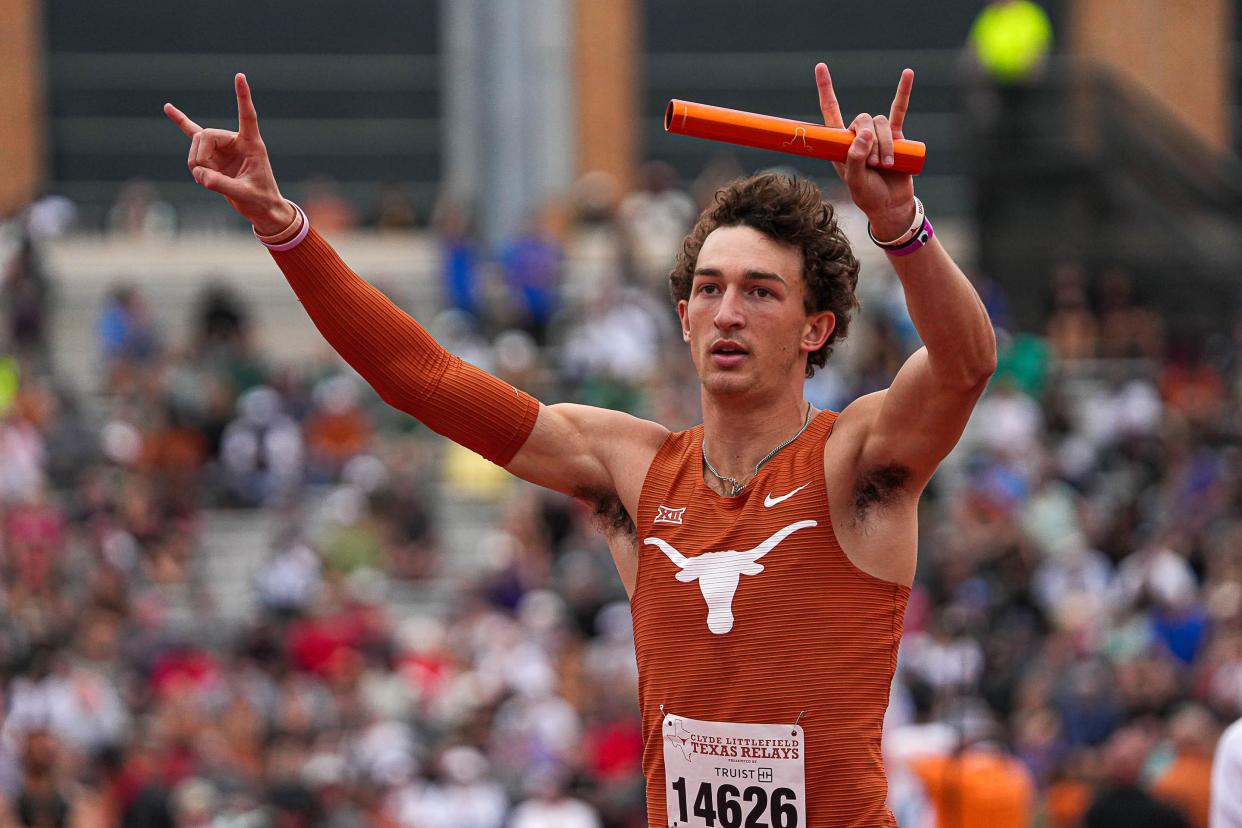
{"x":780,"y":134}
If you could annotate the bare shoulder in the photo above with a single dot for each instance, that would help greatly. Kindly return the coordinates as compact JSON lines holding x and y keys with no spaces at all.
{"x":582,"y":450}
{"x":620,"y":439}
{"x":872,"y":501}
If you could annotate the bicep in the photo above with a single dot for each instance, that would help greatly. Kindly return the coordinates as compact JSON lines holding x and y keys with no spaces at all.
{"x":581,"y":450}
{"x":916,"y":422}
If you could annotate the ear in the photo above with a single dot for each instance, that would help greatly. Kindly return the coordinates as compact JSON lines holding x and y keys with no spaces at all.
{"x":682,"y":307}
{"x":819,"y":326}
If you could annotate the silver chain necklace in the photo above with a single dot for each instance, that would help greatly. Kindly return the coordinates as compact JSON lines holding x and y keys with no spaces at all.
{"x":737,"y":487}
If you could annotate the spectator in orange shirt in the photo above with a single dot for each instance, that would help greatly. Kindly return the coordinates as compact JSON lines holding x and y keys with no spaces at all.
{"x":979,"y":786}
{"x":1187,"y":782}
{"x":337,"y":430}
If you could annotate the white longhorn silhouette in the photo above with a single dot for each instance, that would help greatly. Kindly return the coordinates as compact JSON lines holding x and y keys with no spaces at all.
{"x":719,"y":572}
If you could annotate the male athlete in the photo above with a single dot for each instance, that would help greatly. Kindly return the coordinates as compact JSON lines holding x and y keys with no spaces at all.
{"x":768,"y":553}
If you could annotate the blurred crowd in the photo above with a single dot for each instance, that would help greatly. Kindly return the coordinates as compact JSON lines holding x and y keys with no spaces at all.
{"x":1073,"y":644}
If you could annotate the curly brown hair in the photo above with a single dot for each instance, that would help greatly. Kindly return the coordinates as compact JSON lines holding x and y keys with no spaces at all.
{"x":792,"y":211}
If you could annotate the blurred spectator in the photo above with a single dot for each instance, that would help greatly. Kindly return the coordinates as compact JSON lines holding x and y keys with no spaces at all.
{"x":290,"y":579}
{"x":221,"y":320}
{"x":979,"y":785}
{"x":945,"y":657}
{"x":394,"y":211}
{"x":336,"y":429}
{"x":326,"y":208}
{"x":595,"y":196}
{"x":655,"y":218}
{"x":1128,"y":329}
{"x":532,"y":273}
{"x":1187,"y":780}
{"x":1191,"y":385}
{"x":28,"y":301}
{"x":1009,"y":423}
{"x":262,"y":449}
{"x":128,"y":336}
{"x":51,"y":216}
{"x":552,"y":807}
{"x":459,"y":255}
{"x":908,"y":741}
{"x":1121,"y":802}
{"x":23,"y":459}
{"x":613,"y":349}
{"x":464,"y":797}
{"x":140,"y":213}
{"x":1072,"y":329}
{"x":44,"y":797}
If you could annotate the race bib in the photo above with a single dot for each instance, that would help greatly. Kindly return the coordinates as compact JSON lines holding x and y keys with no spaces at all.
{"x":727,"y":775}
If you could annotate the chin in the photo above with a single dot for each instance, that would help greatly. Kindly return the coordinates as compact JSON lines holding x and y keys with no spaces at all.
{"x":727,"y":384}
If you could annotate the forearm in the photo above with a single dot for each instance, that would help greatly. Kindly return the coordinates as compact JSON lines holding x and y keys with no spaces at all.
{"x":396,"y":355}
{"x":948,"y":314}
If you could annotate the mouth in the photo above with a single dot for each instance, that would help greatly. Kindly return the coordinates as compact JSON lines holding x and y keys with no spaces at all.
{"x":729,"y":347}
{"x":727,"y":354}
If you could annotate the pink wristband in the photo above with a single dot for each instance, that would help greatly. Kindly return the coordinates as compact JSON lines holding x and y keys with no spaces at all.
{"x":280,"y":247}
{"x":916,"y":244}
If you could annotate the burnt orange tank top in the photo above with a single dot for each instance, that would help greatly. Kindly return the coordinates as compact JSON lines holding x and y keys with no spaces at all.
{"x":800,"y":631}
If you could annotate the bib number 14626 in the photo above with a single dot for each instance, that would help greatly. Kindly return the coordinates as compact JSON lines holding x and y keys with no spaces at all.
{"x":728,"y":806}
{"x":733,"y":774}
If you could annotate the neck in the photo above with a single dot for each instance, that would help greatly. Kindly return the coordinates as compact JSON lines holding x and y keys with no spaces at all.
{"x":739,"y":434}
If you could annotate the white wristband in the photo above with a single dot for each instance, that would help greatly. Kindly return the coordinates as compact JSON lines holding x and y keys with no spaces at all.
{"x":297,"y":239}
{"x":906,"y":237}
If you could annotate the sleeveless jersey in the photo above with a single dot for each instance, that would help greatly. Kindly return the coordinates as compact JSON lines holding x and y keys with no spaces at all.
{"x":797,"y":635}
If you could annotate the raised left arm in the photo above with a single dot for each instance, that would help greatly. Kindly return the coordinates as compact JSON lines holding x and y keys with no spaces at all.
{"x":918,"y":420}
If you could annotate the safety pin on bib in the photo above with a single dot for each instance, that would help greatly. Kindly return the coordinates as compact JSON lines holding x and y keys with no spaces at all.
{"x":801,"y":713}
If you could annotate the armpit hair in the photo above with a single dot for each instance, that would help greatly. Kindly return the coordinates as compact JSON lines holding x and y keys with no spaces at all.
{"x":608,"y":511}
{"x":877,"y":486}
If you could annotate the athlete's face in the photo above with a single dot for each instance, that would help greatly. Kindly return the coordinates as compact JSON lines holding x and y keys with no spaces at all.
{"x":746,"y":318}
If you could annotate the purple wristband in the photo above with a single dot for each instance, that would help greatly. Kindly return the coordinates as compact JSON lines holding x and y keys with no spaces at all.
{"x":915,"y":244}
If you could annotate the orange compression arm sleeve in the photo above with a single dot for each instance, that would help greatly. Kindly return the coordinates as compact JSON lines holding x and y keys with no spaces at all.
{"x":396,"y":355}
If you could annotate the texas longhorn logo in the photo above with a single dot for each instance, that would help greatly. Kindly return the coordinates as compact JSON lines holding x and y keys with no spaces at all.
{"x":719,"y":572}
{"x":798,"y":141}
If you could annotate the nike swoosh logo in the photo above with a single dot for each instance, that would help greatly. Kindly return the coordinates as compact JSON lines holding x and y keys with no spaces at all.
{"x":769,"y":501}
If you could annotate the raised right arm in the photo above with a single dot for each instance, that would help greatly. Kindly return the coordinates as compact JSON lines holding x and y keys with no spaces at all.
{"x":582,"y":451}
{"x":576,"y":449}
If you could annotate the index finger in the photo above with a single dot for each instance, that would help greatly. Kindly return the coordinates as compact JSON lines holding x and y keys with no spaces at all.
{"x":901,"y":102}
{"x":247,"y":118}
{"x":183,"y":122}
{"x":828,"y":98}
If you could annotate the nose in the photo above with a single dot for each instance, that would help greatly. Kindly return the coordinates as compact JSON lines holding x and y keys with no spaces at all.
{"x":729,"y":315}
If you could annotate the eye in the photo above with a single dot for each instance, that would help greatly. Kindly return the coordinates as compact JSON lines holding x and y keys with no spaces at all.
{"x":762,"y":293}
{"x":708,"y":288}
